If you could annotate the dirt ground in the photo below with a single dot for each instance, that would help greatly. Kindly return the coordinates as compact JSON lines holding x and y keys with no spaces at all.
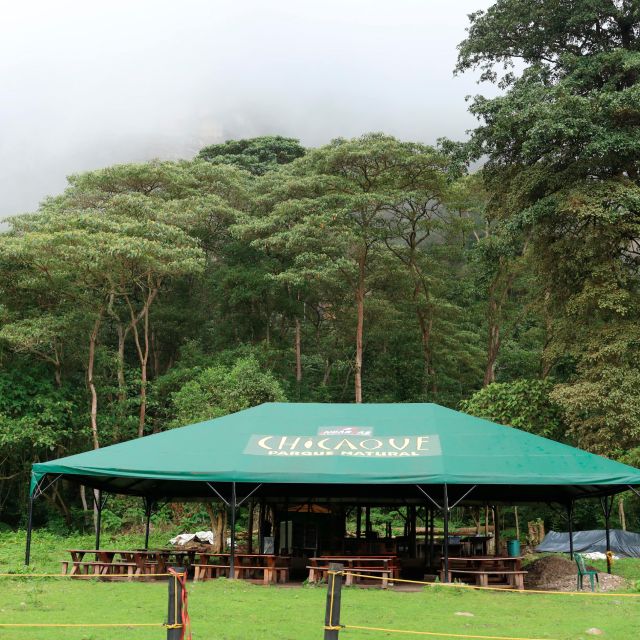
{"x":555,"y":573}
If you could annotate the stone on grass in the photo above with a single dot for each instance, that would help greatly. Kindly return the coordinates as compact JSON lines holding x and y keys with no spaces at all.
{"x":464,"y":613}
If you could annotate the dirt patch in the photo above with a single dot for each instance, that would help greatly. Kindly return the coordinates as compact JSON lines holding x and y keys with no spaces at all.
{"x":556,"y":573}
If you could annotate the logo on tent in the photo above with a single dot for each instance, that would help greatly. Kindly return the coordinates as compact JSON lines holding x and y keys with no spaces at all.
{"x":345,"y":431}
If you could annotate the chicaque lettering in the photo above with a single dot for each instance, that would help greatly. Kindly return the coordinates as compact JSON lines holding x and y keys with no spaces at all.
{"x":369,"y":447}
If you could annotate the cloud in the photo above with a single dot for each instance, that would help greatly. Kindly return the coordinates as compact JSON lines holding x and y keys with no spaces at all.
{"x":86,"y":85}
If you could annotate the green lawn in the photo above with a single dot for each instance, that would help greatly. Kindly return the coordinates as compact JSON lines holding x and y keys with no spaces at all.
{"x":227,"y":610}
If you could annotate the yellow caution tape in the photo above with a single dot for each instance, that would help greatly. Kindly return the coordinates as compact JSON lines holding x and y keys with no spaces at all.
{"x":459,"y":585}
{"x":438,"y":635}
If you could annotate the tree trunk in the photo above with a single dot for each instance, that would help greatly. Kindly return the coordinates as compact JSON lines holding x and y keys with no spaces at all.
{"x":493,"y":345}
{"x":360,"y":327}
{"x":122,"y":332}
{"x":143,"y":354}
{"x":143,"y":376}
{"x":621,"y":514}
{"x":93,"y":338}
{"x":58,"y":369}
{"x":298,"y":353}
{"x":120,"y":364}
{"x":425,"y":332}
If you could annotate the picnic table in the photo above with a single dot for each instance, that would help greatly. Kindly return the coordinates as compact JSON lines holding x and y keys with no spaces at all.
{"x":383,"y":566}
{"x":132,"y":562}
{"x":246,"y":566}
{"x":495,"y":571}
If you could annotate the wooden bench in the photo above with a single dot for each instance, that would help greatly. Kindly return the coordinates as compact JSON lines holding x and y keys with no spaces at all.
{"x":244,"y":572}
{"x":206,"y":571}
{"x":102,"y":569}
{"x":515,"y":578}
{"x":386,"y":574}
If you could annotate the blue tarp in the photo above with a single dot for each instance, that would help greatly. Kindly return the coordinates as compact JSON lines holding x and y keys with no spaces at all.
{"x":623,"y":543}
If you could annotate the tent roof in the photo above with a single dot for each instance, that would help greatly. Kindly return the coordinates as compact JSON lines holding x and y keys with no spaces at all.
{"x":340,"y":451}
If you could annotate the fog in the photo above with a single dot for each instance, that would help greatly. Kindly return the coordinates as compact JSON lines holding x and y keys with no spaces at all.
{"x":88,"y":84}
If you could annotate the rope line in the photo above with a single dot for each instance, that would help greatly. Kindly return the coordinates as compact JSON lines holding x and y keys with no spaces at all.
{"x":83,"y":624}
{"x":436,"y":634}
{"x":459,"y":585}
{"x":85,"y":575}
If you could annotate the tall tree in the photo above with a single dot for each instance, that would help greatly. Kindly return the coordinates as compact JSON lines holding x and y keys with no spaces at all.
{"x":256,"y":155}
{"x":563,"y":163}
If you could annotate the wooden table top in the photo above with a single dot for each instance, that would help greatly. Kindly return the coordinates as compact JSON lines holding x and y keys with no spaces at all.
{"x":378,"y":557}
{"x":485,"y":558}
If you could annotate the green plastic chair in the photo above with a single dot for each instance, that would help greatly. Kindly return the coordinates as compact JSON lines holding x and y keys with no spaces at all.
{"x":583,"y":571}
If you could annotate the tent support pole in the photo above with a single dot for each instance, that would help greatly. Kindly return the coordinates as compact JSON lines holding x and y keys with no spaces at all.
{"x":27,"y":553}
{"x":445,"y":511}
{"x":148,"y":506}
{"x":607,"y":506}
{"x":232,"y":551}
{"x":570,"y":521}
{"x":97,"y":499}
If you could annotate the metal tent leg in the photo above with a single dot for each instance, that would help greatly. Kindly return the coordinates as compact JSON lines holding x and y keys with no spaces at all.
{"x":27,"y":553}
{"x":148,"y":508}
{"x":570,"y":521}
{"x":607,"y":506}
{"x":97,"y":498}
{"x":445,"y":511}
{"x":232,"y":550}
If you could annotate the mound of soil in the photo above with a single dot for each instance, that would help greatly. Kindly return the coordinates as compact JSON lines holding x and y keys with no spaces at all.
{"x":556,"y":573}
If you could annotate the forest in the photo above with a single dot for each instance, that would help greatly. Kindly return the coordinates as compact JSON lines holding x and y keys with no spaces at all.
{"x":496,"y":275}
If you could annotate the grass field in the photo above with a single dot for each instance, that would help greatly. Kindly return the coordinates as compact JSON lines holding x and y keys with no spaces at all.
{"x":228,"y":610}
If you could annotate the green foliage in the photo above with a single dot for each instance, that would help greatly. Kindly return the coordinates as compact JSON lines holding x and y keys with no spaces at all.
{"x":220,"y":390}
{"x":256,"y":155}
{"x":523,"y":404}
{"x":563,"y":172}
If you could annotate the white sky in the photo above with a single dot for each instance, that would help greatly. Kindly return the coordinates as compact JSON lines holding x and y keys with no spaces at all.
{"x":88,"y":83}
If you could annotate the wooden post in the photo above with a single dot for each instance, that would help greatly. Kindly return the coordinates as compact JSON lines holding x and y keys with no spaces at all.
{"x":515,"y":513}
{"x":426,"y":533}
{"x":414,"y":531}
{"x":432,"y":537}
{"x":358,"y":522}
{"x":496,"y":529}
{"x":174,"y":609}
{"x":334,"y":596}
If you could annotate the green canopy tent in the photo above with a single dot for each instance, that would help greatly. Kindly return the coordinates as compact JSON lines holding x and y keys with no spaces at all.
{"x":387,"y":453}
